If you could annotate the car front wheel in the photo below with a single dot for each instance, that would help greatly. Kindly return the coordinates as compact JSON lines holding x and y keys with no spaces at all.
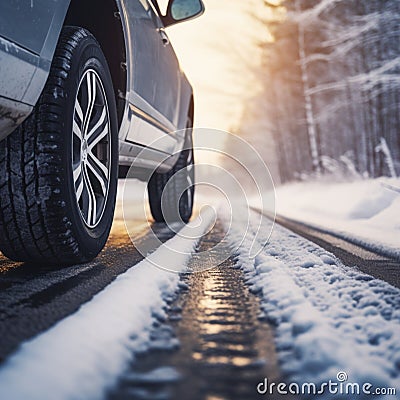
{"x":59,"y":179}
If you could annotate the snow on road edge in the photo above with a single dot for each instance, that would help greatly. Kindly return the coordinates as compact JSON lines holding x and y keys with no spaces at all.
{"x":328,"y":317}
{"x":82,"y":355}
{"x":364,"y":212}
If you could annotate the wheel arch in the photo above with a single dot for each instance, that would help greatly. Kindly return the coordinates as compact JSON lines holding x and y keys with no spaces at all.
{"x":111,"y":40}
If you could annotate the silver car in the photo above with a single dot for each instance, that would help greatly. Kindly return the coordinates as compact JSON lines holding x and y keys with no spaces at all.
{"x":86,"y":88}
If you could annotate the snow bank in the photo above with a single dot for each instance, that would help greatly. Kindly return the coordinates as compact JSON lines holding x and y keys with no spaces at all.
{"x":364,"y":212}
{"x":328,"y":317}
{"x":82,"y":355}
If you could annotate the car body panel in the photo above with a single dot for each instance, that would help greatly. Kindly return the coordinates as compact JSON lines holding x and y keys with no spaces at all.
{"x":15,"y":61}
{"x":27,"y":22}
{"x":33,"y":27}
{"x":12,"y":114}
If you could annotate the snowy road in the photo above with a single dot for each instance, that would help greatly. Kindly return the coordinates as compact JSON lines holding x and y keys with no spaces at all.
{"x":295,"y":313}
{"x":377,"y":265}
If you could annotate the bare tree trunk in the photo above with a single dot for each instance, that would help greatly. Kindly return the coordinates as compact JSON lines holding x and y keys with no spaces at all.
{"x":312,"y":134}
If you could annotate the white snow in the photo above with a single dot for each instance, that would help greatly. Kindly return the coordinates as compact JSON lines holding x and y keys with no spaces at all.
{"x":365,"y":212}
{"x":82,"y":355}
{"x":328,"y":317}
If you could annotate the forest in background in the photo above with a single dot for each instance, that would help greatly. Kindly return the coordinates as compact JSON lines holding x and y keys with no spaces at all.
{"x":330,"y":98}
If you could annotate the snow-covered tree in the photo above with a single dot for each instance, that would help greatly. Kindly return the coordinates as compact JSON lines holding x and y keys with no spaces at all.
{"x":331,"y":80}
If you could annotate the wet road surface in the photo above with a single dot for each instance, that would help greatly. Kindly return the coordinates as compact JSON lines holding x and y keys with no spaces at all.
{"x":212,"y":345}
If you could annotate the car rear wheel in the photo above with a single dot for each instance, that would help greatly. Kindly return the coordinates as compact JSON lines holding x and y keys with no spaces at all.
{"x":171,"y":194}
{"x":58,"y":188}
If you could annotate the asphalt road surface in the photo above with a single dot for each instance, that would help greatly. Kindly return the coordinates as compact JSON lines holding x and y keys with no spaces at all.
{"x":225,"y":347}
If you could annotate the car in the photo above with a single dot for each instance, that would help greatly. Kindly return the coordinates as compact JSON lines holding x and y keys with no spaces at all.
{"x":86,"y":89}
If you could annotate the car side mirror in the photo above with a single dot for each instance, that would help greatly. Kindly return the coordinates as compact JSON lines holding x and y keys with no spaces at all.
{"x":182,"y":10}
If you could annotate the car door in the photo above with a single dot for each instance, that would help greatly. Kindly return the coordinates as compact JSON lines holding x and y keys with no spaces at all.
{"x":143,"y":42}
{"x":152,"y":117}
{"x":168,"y":82}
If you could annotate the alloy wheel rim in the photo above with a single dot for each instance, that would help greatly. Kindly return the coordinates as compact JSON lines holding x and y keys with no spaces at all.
{"x":91,"y":148}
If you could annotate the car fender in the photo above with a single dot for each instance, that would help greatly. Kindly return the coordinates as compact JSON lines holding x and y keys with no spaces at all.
{"x":46,"y":54}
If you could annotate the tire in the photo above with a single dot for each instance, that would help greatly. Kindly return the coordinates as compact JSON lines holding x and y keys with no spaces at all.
{"x":173,"y":201}
{"x":58,"y":188}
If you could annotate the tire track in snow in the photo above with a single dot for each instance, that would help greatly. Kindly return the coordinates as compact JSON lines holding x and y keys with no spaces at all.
{"x":211,"y":345}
